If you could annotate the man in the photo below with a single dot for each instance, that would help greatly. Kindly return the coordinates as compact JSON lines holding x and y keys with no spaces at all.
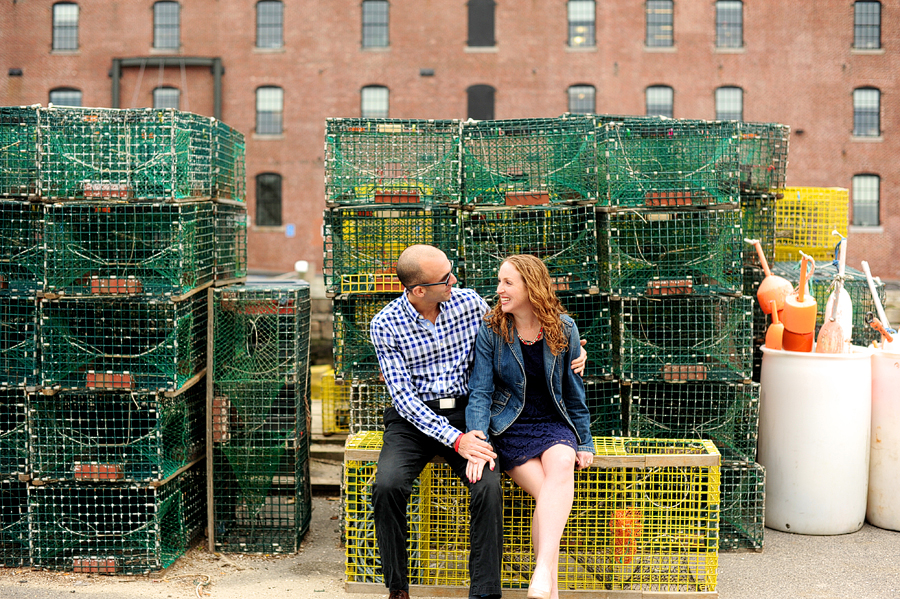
{"x":423,"y":341}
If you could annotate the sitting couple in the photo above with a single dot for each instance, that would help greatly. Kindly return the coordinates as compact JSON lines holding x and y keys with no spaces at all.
{"x":514,"y":401}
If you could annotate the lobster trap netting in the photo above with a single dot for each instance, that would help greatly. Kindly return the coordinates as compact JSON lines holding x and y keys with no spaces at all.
{"x":804,"y":220}
{"x":14,"y":449}
{"x":763,"y":155}
{"x":263,"y":412}
{"x":530,"y":161}
{"x":592,"y":315}
{"x":821,"y":286}
{"x":368,"y":401}
{"x":391,"y":161}
{"x":758,"y":222}
{"x":14,"y":538}
{"x":354,"y":354}
{"x":604,"y":402}
{"x":686,"y":339}
{"x":668,"y":252}
{"x":114,"y":436}
{"x":229,"y":163}
{"x":21,"y":247}
{"x":122,"y":343}
{"x":362,"y":245}
{"x":18,"y":151}
{"x":124,"y":154}
{"x":660,"y":162}
{"x":116,"y":529}
{"x":725,"y":413}
{"x":261,"y":333}
{"x":129,"y":249}
{"x":231,"y":242}
{"x":335,"y":405}
{"x":646,"y":517}
{"x":20,"y":361}
{"x":743,"y":496}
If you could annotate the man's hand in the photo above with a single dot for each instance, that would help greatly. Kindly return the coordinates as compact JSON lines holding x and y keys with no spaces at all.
{"x":474,"y":447}
{"x":579,"y":362}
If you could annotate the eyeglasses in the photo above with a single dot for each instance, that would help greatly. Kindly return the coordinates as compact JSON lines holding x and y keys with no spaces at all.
{"x":445,"y":282}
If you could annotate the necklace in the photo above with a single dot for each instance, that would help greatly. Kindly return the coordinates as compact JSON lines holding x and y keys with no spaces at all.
{"x":538,"y":337}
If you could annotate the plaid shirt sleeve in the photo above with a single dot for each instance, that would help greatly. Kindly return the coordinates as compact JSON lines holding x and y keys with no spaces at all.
{"x":421,"y":361}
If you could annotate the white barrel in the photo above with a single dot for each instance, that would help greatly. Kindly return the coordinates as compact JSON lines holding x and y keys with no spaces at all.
{"x":814,"y":420}
{"x":884,"y":459}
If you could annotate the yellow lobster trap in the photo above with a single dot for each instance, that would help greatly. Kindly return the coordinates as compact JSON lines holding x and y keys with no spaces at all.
{"x":804,"y":220}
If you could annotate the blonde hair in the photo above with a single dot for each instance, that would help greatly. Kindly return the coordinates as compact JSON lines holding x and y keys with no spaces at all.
{"x":544,"y":303}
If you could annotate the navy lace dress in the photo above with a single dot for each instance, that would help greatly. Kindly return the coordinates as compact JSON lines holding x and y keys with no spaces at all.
{"x":540,"y":425}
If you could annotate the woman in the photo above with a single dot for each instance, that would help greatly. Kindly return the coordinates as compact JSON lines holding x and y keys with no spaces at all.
{"x":531,"y":404}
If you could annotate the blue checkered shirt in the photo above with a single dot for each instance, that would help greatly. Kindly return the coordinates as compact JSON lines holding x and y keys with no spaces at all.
{"x":422,"y":361}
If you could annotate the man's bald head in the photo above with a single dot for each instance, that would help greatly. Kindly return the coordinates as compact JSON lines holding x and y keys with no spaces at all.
{"x":410,"y":264}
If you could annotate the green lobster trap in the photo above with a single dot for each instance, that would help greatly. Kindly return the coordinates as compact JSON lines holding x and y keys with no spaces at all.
{"x":14,"y":448}
{"x":702,"y":338}
{"x":231,"y":242}
{"x":362,"y":245}
{"x":261,"y":334}
{"x":391,"y":161}
{"x":530,"y":161}
{"x":116,"y":529}
{"x":18,"y":151}
{"x":605,"y":405}
{"x":660,"y":162}
{"x":725,"y":413}
{"x":592,"y":315}
{"x":564,"y":237}
{"x":21,"y":248}
{"x":354,"y":354}
{"x":267,"y":411}
{"x":758,"y":222}
{"x":129,"y":154}
{"x":663,"y":253}
{"x":742,"y":512}
{"x":122,"y":343}
{"x":116,"y":437}
{"x":763,"y":155}
{"x":20,"y":361}
{"x":129,"y":249}
{"x":229,"y":163}
{"x":821,"y":285}
{"x":368,"y":401}
{"x":14,"y":538}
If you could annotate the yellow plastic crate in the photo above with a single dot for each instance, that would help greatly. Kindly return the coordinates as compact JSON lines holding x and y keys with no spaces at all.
{"x":645,"y":518}
{"x":335,"y":405}
{"x":804,"y":220}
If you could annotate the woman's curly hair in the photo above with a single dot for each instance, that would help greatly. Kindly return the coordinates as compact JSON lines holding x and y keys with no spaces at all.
{"x":544,"y":302}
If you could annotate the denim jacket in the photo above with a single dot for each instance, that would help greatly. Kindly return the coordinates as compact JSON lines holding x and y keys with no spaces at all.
{"x":497,"y":384}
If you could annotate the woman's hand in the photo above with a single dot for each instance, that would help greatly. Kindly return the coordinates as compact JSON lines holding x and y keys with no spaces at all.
{"x":474,"y":468}
{"x":579,"y":363}
{"x":583,"y":459}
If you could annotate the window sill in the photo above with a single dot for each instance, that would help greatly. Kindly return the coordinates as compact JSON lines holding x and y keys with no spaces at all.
{"x":740,"y":50}
{"x":660,"y":49}
{"x":166,"y":51}
{"x":867,"y":51}
{"x":581,"y":48}
{"x":65,"y":52}
{"x":376,"y":49}
{"x":268,"y":228}
{"x":280,"y":50}
{"x":268,"y":136}
{"x":866,"y":138}
{"x":864,"y":230}
{"x":481,"y":49}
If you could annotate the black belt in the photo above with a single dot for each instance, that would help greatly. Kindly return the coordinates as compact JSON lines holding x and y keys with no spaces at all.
{"x":447,"y":403}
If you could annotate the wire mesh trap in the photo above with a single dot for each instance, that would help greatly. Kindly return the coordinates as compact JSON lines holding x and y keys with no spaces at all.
{"x":564,"y":237}
{"x":335,"y":405}
{"x":129,"y":249}
{"x":116,"y":529}
{"x":763,"y":155}
{"x":18,"y":151}
{"x":229,"y":164}
{"x":20,"y":362}
{"x":362,"y":245}
{"x":354,"y":354}
{"x":743,"y":495}
{"x":668,"y":252}
{"x":14,"y":537}
{"x":804,"y":220}
{"x":368,"y":401}
{"x":392,"y":161}
{"x":231,"y":242}
{"x":604,"y":402}
{"x":14,"y":449}
{"x":21,"y":247}
{"x":758,"y":222}
{"x":530,"y":161}
{"x":122,"y":343}
{"x":592,"y":315}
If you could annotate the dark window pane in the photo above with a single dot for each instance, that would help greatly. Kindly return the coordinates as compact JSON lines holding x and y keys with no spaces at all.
{"x":581,"y":23}
{"x":375,"y":24}
{"x":866,"y":200}
{"x":582,"y":99}
{"x":65,"y":97}
{"x":867,"y":25}
{"x":268,"y":200}
{"x":65,"y":26}
{"x":480,"y":102}
{"x":866,"y":112}
{"x":659,"y":23}
{"x":729,"y":24}
{"x":269,"y":24}
{"x":166,"y":25}
{"x":481,"y":23}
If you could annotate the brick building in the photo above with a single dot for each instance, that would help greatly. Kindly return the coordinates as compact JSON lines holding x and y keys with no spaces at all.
{"x":277,"y":70}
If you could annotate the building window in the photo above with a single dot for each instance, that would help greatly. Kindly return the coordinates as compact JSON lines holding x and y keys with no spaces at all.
{"x":659,"y":101}
{"x":867,"y":25}
{"x":65,"y":96}
{"x":581,"y":23}
{"x":660,"y":24}
{"x":729,"y":24}
{"x":866,"y":111}
{"x":729,"y":104}
{"x":480,"y":102}
{"x":269,"y":24}
{"x":269,"y":107}
{"x":582,"y":99}
{"x":65,"y":26}
{"x":374,"y":24}
{"x":374,"y":102}
{"x":481,"y":23}
{"x":166,"y":25}
{"x":166,"y":97}
{"x":866,"y":200}
{"x":268,"y":200}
